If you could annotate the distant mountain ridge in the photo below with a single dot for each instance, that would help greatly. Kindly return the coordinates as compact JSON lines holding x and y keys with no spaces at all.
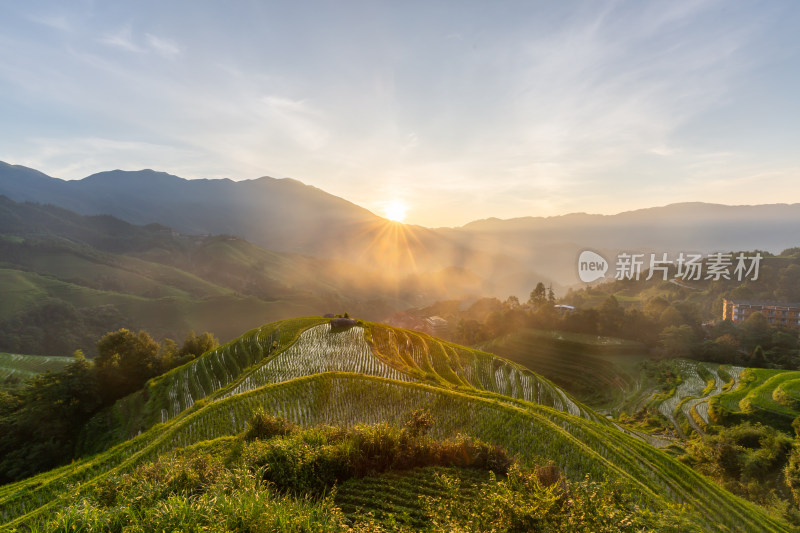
{"x":285,"y":215}
{"x":191,"y":206}
{"x":684,"y":227}
{"x":692,"y":210}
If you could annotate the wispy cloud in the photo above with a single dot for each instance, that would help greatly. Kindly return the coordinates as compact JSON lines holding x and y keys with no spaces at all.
{"x":297,"y":119}
{"x":55,"y":21}
{"x":162,"y":46}
{"x":122,"y":38}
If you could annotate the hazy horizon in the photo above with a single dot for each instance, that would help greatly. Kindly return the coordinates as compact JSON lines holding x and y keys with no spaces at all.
{"x":440,"y":114}
{"x":486,"y":218}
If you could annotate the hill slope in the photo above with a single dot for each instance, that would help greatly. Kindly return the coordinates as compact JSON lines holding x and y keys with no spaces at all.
{"x":600,"y":371}
{"x":312,"y":374}
{"x":69,"y":278}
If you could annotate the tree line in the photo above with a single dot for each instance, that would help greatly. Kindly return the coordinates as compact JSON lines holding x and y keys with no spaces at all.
{"x":669,"y":328}
{"x":40,"y":422}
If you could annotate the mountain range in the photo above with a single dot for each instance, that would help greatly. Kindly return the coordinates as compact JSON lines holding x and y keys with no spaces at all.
{"x":284,"y":215}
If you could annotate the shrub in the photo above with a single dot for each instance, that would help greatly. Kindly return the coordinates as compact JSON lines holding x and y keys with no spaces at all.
{"x":420,"y":423}
{"x":313,"y":461}
{"x":263,"y":425}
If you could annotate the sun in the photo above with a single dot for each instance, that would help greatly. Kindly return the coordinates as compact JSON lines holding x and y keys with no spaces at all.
{"x":395,"y":210}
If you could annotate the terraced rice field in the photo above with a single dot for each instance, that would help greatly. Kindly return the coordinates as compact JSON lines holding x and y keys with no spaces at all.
{"x":788,"y":394}
{"x":762,"y":395}
{"x":599,"y":371}
{"x":319,"y":349}
{"x":535,"y":434}
{"x":289,"y":349}
{"x":431,"y":359}
{"x":168,"y":395}
{"x":688,"y":406}
{"x":401,"y":496}
{"x":16,"y":368}
{"x":730,"y":381}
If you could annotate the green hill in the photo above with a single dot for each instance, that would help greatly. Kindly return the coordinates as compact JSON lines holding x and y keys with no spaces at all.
{"x":605,"y":373}
{"x":313,"y":374}
{"x":67,"y":279}
{"x":300,"y":347}
{"x":778,"y":280}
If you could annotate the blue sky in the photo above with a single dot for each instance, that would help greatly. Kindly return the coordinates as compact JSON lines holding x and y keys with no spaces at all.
{"x":459,"y":110}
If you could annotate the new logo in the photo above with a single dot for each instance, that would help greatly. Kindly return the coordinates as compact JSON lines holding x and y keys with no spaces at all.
{"x":591,"y":266}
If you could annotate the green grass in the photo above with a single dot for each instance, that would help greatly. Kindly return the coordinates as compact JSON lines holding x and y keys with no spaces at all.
{"x":19,"y":290}
{"x":788,"y":394}
{"x":16,"y":368}
{"x":225,"y":315}
{"x":329,"y":479}
{"x":459,"y":499}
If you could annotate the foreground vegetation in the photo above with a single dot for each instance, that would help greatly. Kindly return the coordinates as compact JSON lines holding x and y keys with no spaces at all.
{"x":276,"y":476}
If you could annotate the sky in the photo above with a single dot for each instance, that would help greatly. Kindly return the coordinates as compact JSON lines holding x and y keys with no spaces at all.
{"x":454,"y":110}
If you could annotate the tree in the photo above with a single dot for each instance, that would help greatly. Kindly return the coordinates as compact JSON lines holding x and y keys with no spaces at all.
{"x":792,"y":473}
{"x":538,"y":295}
{"x":469,"y":332}
{"x":512,"y":302}
{"x":671,"y":317}
{"x":612,"y":317}
{"x":195,"y":346}
{"x":656,"y":306}
{"x":551,"y":295}
{"x":495,"y":324}
{"x":678,"y":341}
{"x":755,"y":331}
{"x":583,"y":321}
{"x":125,"y":361}
{"x":758,"y":360}
{"x":40,"y":422}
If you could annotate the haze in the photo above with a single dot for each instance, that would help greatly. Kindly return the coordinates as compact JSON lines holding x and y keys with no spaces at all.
{"x":457,"y":111}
